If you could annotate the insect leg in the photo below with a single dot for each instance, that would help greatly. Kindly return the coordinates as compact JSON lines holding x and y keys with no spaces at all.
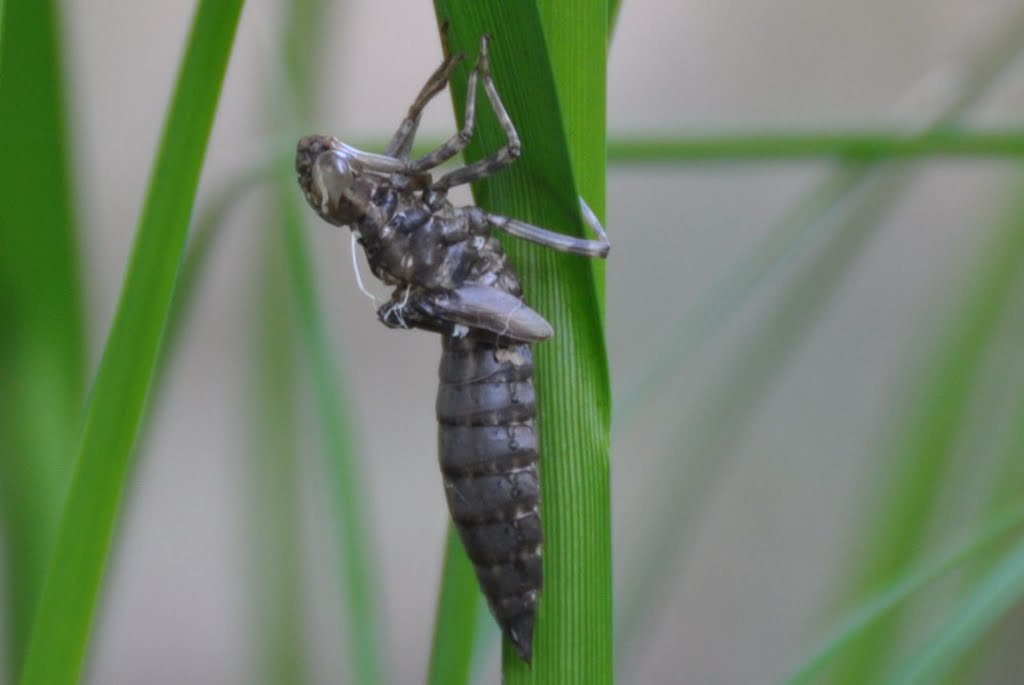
{"x":557,"y":241}
{"x":460,"y":140}
{"x":504,"y":156}
{"x":401,"y":143}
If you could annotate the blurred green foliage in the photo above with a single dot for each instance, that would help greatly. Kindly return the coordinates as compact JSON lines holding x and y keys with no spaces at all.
{"x":47,"y":428}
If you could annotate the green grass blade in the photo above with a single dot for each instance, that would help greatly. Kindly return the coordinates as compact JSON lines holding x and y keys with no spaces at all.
{"x":994,"y":441}
{"x":979,"y":69}
{"x":729,"y":291}
{"x":278,"y":483}
{"x":548,"y":94}
{"x":61,"y":630}
{"x":275,"y":512}
{"x":732,"y":402}
{"x":455,"y":633}
{"x":613,"y":16}
{"x":488,"y":637}
{"x":1000,"y":591}
{"x":689,"y":475}
{"x":360,"y":592}
{"x":920,"y":453}
{"x":849,"y":146}
{"x":866,"y":616}
{"x":41,"y":330}
{"x":206,"y":231}
{"x":352,"y":522}
{"x":578,"y":63}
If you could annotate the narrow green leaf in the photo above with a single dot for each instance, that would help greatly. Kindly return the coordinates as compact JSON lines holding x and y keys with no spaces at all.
{"x":862,"y":193}
{"x":275,"y":512}
{"x":344,"y":472}
{"x":455,"y":634}
{"x":994,"y":443}
{"x":613,"y":16}
{"x":206,"y":231}
{"x":920,"y":452}
{"x":549,"y":67}
{"x":346,"y":482}
{"x":866,"y":616}
{"x":115,"y":409}
{"x":302,"y":39}
{"x":1001,"y":590}
{"x":41,"y":331}
{"x":724,"y":297}
{"x":690,"y":473}
{"x":276,"y":472}
{"x":851,"y":146}
{"x":979,"y":68}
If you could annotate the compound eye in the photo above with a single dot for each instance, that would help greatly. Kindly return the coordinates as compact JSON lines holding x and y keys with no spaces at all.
{"x":332,"y":177}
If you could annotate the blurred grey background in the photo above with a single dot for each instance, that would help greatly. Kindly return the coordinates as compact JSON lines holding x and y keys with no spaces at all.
{"x":769,"y":539}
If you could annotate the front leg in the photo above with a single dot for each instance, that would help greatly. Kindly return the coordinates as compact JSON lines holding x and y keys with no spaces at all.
{"x":501,"y":158}
{"x":458,"y":142}
{"x":597,"y":249}
{"x":401,"y":143}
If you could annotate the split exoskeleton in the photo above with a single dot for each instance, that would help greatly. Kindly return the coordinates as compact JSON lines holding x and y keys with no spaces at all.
{"x":451,"y":276}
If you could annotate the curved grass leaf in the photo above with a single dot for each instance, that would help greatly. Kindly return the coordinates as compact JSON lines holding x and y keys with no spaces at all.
{"x":301,"y":38}
{"x":455,"y":632}
{"x":847,"y":146}
{"x":114,"y":412}
{"x":548,"y":62}
{"x":920,"y":453}
{"x":864,"y":619}
{"x":275,"y":482}
{"x":730,"y":290}
{"x":206,"y":231}
{"x":855,"y":184}
{"x":360,"y":593}
{"x":614,"y":6}
{"x":997,"y":443}
{"x":1001,"y":590}
{"x":41,"y":338}
{"x":690,"y":474}
{"x":978,"y":70}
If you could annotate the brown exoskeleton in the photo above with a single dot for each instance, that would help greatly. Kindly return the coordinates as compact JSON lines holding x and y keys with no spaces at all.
{"x":451,"y":276}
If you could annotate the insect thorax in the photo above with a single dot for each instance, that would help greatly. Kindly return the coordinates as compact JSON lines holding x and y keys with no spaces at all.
{"x":440,"y":247}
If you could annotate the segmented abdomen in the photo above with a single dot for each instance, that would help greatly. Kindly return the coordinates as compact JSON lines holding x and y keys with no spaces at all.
{"x":488,"y":454}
